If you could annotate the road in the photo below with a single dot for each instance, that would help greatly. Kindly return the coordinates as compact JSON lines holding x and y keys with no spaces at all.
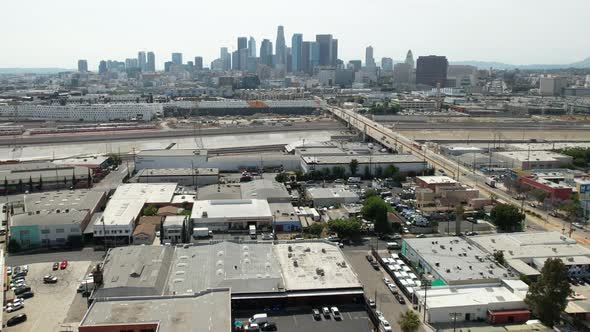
{"x":475,"y":179}
{"x":85,"y":254}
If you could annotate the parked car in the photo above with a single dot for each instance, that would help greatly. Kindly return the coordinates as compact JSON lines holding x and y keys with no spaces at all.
{"x":386,"y":281}
{"x":49,"y":279}
{"x":326,"y":312}
{"x":21,"y":290}
{"x":316,"y":314}
{"x":400,"y":299}
{"x":392,"y":288}
{"x":336,"y":313}
{"x":16,"y":320}
{"x":9,"y":270}
{"x":15,"y":306}
{"x":420,"y":236}
{"x":63,"y":265}
{"x":372,"y":303}
{"x":27,"y":295}
{"x":268,"y":326}
{"x":369,"y":258}
{"x":375,"y":265}
{"x":55,"y":266}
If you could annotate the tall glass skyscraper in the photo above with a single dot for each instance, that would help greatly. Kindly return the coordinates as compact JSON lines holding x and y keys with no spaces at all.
{"x":151,"y":62}
{"x":252,"y":47}
{"x":296,"y":53}
{"x":142,"y":61}
{"x":177,"y":58}
{"x":266,"y":52}
{"x":281,"y":47}
{"x":314,"y":55}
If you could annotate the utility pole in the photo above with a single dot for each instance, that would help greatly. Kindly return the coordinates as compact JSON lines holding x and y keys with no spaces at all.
{"x":454,"y":316}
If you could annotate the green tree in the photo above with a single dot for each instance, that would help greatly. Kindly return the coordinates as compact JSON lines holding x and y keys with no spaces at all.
{"x":572,"y":209}
{"x":507,"y":217}
{"x":390,"y":171}
{"x":30,"y":184}
{"x":316,"y":229}
{"x":339,"y":172}
{"x":375,"y":209}
{"x":40,"y":186}
{"x":345,"y":227}
{"x":367,"y":174}
{"x":74,"y":180}
{"x":409,"y":321}
{"x":282,"y":177}
{"x":539,"y":195}
{"x":115,"y":158}
{"x":499,"y":257}
{"x":150,"y":210}
{"x":547,"y":297}
{"x":371,"y":193}
{"x":354,"y":166}
{"x":20,"y":185}
{"x":89,"y":179}
{"x":5,"y":186}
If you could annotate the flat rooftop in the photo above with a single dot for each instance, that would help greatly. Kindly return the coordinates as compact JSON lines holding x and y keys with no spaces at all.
{"x":121,"y":212}
{"x":220,"y":191}
{"x":524,"y":156}
{"x":171,"y":153}
{"x":318,"y":192}
{"x":178,"y":172}
{"x":148,"y":192}
{"x":231,"y":209}
{"x":66,"y":199}
{"x":363,"y":159}
{"x":529,"y":245}
{"x":206,"y":312}
{"x":72,"y":217}
{"x":436,"y":179}
{"x":455,"y":259}
{"x":268,"y":189}
{"x":320,"y":265}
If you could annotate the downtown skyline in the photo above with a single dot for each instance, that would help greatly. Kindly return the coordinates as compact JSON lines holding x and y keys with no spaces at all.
{"x":464,"y":34}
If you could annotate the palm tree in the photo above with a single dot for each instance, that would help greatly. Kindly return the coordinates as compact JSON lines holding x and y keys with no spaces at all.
{"x":409,"y":321}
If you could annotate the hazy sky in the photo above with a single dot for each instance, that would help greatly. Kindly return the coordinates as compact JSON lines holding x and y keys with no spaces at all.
{"x":42,"y":33}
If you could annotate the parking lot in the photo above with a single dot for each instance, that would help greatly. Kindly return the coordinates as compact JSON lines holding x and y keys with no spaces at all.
{"x":352,"y":321}
{"x":48,"y":309}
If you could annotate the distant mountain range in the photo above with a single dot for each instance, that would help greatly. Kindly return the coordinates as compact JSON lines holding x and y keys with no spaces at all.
{"x":33,"y":70}
{"x":499,"y":65}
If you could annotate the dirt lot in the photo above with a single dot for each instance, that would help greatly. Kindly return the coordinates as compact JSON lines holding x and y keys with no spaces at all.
{"x":48,"y":309}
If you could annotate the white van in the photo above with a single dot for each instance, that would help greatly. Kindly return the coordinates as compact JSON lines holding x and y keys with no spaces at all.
{"x":258,"y":319}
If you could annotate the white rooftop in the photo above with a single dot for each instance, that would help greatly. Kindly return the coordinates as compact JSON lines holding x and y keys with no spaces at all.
{"x":121,"y":212}
{"x":149,"y":192}
{"x":437,"y":179}
{"x":231,"y":209}
{"x":317,"y":192}
{"x":533,"y":155}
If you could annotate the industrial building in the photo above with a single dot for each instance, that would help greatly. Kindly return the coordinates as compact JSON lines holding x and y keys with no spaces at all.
{"x":81,"y":112}
{"x":183,"y":176}
{"x":324,"y":197}
{"x":405,"y":163}
{"x":124,"y":208}
{"x":500,"y":303}
{"x":525,"y":253}
{"x":453,"y":261}
{"x":232,"y":214}
{"x":555,"y":191}
{"x":527,"y":160}
{"x":434,"y":182}
{"x":173,"y":158}
{"x":29,"y":177}
{"x":250,"y":107}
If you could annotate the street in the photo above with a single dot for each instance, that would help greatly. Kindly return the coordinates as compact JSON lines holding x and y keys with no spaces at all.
{"x":85,"y":254}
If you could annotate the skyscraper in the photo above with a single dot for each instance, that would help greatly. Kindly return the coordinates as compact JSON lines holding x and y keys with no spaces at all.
{"x":177,"y":58}
{"x":102,"y":67}
{"x":151,"y":62}
{"x":314,"y":56}
{"x":242,"y":42}
{"x":281,"y":47}
{"x":369,"y":59}
{"x":82,"y":66}
{"x":387,"y":64}
{"x":198,"y":63}
{"x":431,"y":70}
{"x":142,"y":61}
{"x":355,"y":65}
{"x":131,"y":63}
{"x":305,"y":54}
{"x":296,"y":52}
{"x":334,"y":50}
{"x":410,"y":59}
{"x":325,"y":49}
{"x":252,"y":47}
{"x":266,"y":52}
{"x":226,"y":58}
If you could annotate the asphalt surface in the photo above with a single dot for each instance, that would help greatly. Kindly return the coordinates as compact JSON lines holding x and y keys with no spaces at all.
{"x":85,"y":254}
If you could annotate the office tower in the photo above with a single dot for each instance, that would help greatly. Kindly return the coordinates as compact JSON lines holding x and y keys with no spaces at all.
{"x":410,"y":59}
{"x":151,"y":62}
{"x":369,"y":59}
{"x":334,"y":52}
{"x":130,"y":63}
{"x":243,"y":58}
{"x":387,"y":64}
{"x":552,"y":85}
{"x":305,"y":54}
{"x":281,"y":47}
{"x":242,"y":43}
{"x":168,"y":66}
{"x":314,"y":56}
{"x":102,"y":67}
{"x":177,"y":58}
{"x":252,"y":47}
{"x":198,"y":63}
{"x":402,"y":73}
{"x":296,"y":52}
{"x":431,"y":70}
{"x":324,"y":43}
{"x":82,"y":66}
{"x":235,"y":60}
{"x":226,"y":58}
{"x":142,"y":61}
{"x":266,"y":52}
{"x":355,"y":65}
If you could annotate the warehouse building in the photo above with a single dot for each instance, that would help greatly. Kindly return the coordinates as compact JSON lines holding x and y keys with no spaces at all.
{"x":527,"y":160}
{"x":251,"y":107}
{"x":232,"y":214}
{"x":173,"y":158}
{"x":91,"y":113}
{"x":405,"y":163}
{"x":183,"y":176}
{"x":30,"y":177}
{"x":324,"y":197}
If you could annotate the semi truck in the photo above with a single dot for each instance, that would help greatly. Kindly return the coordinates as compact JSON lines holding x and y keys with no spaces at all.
{"x":491,"y":182}
{"x":252,"y":232}
{"x":201,"y":232}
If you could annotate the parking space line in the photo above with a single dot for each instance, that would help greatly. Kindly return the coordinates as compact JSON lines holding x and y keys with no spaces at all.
{"x":295,"y":320}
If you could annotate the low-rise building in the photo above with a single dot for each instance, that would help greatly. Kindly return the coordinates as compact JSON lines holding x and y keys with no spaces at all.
{"x":527,"y":160}
{"x":405,"y":163}
{"x":145,"y":231}
{"x":49,"y":228}
{"x":433,"y":182}
{"x":175,"y":229}
{"x":324,"y":197}
{"x":284,"y":217}
{"x":232,"y":214}
{"x":183,"y":176}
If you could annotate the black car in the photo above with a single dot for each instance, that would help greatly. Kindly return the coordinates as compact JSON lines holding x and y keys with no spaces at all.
{"x":21,"y":290}
{"x":268,"y":326}
{"x":375,"y":265}
{"x":369,"y":258}
{"x":49,"y":279}
{"x":401,"y":299}
{"x":316,"y":314}
{"x":27,"y":295}
{"x":16,"y":320}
